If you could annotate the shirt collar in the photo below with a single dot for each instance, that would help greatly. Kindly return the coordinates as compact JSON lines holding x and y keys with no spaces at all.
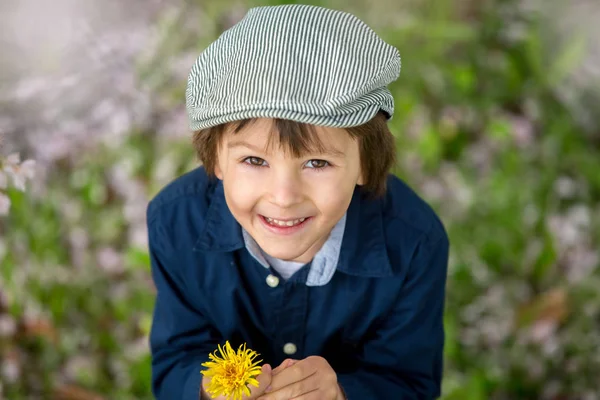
{"x":363,"y":251}
{"x":324,"y":263}
{"x":221,"y":231}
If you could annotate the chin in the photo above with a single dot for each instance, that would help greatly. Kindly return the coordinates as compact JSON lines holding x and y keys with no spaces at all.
{"x":287,"y":255}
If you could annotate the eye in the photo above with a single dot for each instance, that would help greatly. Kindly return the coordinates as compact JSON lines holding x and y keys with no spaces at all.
{"x":255,"y":161}
{"x":317,"y":164}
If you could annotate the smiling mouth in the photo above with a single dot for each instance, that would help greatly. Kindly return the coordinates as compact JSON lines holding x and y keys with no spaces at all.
{"x":284,"y":223}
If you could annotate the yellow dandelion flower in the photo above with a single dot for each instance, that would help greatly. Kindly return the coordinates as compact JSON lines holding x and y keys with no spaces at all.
{"x":232,"y":372}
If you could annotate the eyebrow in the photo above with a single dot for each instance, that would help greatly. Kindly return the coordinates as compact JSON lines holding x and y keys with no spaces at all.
{"x":240,"y":143}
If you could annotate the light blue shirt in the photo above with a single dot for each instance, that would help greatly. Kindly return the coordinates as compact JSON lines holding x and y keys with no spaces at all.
{"x":323,"y":264}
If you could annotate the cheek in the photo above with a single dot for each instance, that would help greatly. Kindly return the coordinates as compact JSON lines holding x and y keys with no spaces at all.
{"x":332,"y":196}
{"x":240,"y":192}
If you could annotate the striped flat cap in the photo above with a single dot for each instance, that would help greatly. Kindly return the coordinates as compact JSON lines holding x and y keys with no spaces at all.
{"x":298,"y":62}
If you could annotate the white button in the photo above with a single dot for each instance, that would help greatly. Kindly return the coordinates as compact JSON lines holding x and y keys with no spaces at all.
{"x":290,"y":348}
{"x":272,"y":280}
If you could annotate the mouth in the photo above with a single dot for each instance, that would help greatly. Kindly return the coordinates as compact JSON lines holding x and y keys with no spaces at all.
{"x":284,"y":223}
{"x":284,"y":226}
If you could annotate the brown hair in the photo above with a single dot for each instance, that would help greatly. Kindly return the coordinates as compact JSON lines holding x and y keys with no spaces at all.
{"x":376,"y":145}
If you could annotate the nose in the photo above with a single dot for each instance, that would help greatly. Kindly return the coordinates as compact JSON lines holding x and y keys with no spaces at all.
{"x":285,"y":189}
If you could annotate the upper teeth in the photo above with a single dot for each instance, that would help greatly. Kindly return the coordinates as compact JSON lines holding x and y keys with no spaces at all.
{"x":284,"y":223}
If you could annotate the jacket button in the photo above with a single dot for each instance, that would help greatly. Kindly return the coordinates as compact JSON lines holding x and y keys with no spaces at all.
{"x":272,"y":281}
{"x":289,"y":348}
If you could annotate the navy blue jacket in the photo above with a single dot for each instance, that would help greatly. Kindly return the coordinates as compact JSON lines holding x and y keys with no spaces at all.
{"x":378,"y":322}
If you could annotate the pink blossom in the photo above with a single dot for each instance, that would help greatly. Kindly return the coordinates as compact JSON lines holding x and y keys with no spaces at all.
{"x":4,"y":204}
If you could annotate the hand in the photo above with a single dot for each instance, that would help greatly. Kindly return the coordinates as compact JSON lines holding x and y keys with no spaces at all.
{"x":288,"y":362}
{"x":308,"y":379}
{"x":264,"y":380}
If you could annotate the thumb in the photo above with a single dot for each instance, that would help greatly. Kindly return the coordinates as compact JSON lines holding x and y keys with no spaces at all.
{"x":288,"y":362}
{"x":264,"y":380}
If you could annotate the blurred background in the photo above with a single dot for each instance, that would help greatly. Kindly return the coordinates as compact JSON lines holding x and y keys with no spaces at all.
{"x":497,"y":124}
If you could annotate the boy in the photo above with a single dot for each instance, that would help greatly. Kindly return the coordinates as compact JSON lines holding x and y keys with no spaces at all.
{"x":293,"y":237}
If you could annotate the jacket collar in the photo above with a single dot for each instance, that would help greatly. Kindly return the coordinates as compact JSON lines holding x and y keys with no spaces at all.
{"x":363,"y":251}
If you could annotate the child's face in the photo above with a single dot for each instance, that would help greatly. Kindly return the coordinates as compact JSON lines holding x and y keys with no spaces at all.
{"x":288,"y":205}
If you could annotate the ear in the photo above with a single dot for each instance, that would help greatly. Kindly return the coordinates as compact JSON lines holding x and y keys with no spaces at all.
{"x":218,"y":171}
{"x":361,"y":179}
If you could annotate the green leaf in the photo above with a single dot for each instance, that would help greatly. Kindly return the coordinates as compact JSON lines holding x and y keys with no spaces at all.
{"x":137,"y":259}
{"x":564,"y":63}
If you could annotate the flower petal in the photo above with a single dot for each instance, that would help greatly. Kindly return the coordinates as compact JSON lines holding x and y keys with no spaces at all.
{"x":28,"y":169}
{"x":19,"y":182}
{"x":13,"y":159}
{"x":4,"y":204}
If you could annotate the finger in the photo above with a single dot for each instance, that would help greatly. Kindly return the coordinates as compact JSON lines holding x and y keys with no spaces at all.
{"x":264,"y":381}
{"x":296,"y":373}
{"x":314,"y":395}
{"x":288,"y":362}
{"x":281,"y":366}
{"x":304,"y":387}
